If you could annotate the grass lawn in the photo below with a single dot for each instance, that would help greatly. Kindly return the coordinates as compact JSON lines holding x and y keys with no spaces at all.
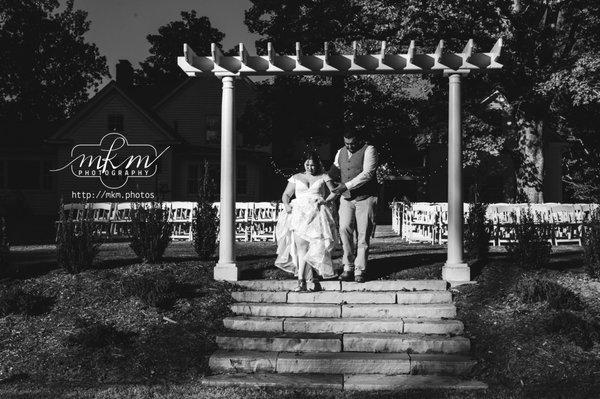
{"x":91,"y":339}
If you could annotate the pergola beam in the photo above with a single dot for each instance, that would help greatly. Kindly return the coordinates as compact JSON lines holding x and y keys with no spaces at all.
{"x":328,"y":63}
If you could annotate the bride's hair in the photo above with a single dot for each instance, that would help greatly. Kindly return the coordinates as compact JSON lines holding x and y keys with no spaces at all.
{"x":313,"y":156}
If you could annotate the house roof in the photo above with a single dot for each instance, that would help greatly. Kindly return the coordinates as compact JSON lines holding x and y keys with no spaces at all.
{"x":128,"y":95}
{"x":189,"y":81}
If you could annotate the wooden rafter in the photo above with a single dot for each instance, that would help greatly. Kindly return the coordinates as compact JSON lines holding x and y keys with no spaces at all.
{"x":355,"y":63}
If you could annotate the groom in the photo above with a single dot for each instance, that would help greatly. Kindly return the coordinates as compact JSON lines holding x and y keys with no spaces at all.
{"x":354,"y":166}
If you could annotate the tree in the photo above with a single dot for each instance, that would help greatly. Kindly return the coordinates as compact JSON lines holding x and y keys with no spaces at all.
{"x":160,"y":67}
{"x":47,"y":67}
{"x":544,"y":40}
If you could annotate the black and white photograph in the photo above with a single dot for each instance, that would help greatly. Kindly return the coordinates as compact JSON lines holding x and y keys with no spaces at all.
{"x":248,"y":199}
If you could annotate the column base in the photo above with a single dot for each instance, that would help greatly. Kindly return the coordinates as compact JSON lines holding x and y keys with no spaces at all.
{"x":456,"y":272}
{"x":225,"y":272}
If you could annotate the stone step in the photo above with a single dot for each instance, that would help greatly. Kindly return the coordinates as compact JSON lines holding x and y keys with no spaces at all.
{"x":411,"y":343}
{"x":287,"y":309}
{"x":350,"y":297}
{"x":432,"y":326}
{"x":368,"y":342}
{"x":435,"y":310}
{"x":344,"y":325}
{"x":342,"y":297}
{"x":378,"y":382}
{"x":320,"y":310}
{"x":259,"y":296}
{"x":338,"y":363}
{"x":349,"y":382}
{"x":332,"y":285}
{"x":279,"y":342}
{"x":298,"y":381}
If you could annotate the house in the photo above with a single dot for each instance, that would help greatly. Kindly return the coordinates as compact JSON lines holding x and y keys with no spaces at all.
{"x":183,"y":125}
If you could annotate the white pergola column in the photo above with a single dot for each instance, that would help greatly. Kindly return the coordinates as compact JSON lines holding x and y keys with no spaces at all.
{"x":455,"y":269}
{"x":226,"y":268}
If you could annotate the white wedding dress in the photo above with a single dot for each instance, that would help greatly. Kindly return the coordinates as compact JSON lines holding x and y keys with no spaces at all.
{"x":312,"y":223}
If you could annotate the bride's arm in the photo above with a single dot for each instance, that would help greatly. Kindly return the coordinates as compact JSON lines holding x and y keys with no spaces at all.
{"x":288,"y":193}
{"x":331,"y":195}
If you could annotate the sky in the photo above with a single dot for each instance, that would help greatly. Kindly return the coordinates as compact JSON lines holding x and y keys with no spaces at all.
{"x":119,"y":27}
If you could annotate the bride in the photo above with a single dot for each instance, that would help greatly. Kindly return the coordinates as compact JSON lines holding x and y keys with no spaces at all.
{"x":306,"y":231}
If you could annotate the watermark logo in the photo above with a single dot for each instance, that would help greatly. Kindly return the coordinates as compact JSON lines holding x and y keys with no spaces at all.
{"x":113,"y":161}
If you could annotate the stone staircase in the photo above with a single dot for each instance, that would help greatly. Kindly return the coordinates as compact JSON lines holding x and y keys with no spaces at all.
{"x":378,"y":335}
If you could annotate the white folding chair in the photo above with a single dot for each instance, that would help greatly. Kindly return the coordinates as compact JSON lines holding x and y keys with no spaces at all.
{"x":101,"y":214}
{"x":242,"y":217}
{"x":424,"y":220}
{"x":263,"y":218}
{"x":181,"y":214}
{"x":506,"y":216}
{"x":121,"y":219}
{"x":74,"y":211}
{"x":565,"y":226}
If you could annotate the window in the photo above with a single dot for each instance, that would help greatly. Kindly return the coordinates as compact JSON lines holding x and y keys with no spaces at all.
{"x":213,"y":126}
{"x":115,"y":123}
{"x":192,"y":178}
{"x":241,"y":181}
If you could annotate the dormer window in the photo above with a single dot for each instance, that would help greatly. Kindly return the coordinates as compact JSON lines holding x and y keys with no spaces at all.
{"x":115,"y":123}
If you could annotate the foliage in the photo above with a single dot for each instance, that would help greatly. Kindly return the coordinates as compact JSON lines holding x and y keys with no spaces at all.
{"x":478,"y":232}
{"x":4,"y":248}
{"x":543,"y":43}
{"x":534,"y":289}
{"x":150,"y":232}
{"x":160,"y":67}
{"x":530,"y":248}
{"x":14,"y":300}
{"x":205,"y":224}
{"x":575,"y":328}
{"x":40,"y":46}
{"x":591,"y":245}
{"x":155,"y":289}
{"x":77,"y":242}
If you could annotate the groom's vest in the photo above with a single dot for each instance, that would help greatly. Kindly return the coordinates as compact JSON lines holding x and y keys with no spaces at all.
{"x":350,"y":168}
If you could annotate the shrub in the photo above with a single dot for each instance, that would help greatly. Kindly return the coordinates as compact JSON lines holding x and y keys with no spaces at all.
{"x":574,"y":328}
{"x":96,"y":335}
{"x":205,"y":225}
{"x":591,"y":245}
{"x":477,"y":232}
{"x":540,"y":290}
{"x":4,"y":249}
{"x":14,"y":300}
{"x":150,"y":232}
{"x":77,"y":242}
{"x":530,"y":249}
{"x":155,"y":289}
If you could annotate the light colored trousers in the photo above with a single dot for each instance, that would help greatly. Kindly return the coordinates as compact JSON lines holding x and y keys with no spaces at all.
{"x":359,"y":216}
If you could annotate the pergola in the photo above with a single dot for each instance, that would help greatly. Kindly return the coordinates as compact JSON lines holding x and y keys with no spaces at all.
{"x":227,"y":68}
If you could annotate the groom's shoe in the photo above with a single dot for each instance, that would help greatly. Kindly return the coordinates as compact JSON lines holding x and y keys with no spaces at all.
{"x":359,"y":278}
{"x":347,"y":275}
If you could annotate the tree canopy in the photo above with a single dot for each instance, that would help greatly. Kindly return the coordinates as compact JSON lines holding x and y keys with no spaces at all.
{"x":549,"y":55}
{"x":47,"y":67}
{"x":160,"y":68}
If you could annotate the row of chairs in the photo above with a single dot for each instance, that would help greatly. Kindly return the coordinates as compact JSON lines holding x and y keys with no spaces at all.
{"x":255,"y":221}
{"x":428,"y":222}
